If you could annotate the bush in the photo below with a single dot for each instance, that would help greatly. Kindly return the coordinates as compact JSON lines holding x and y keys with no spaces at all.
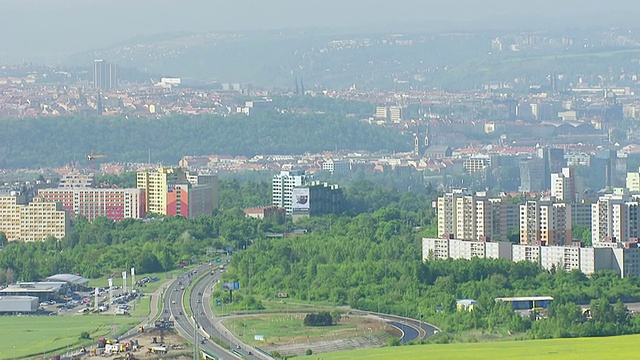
{"x":322,"y":318}
{"x":309,"y":352}
{"x":393,"y":341}
{"x":85,"y":335}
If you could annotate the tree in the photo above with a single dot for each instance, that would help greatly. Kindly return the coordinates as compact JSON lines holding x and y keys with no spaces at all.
{"x":336,"y":314}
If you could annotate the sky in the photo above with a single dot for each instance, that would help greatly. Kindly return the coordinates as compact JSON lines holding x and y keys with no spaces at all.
{"x":29,"y":29}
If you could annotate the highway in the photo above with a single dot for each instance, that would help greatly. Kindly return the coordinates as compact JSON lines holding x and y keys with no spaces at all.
{"x":207,"y":331}
{"x":199,"y":303}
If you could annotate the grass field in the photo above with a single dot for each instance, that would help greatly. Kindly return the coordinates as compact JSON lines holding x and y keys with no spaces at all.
{"x":287,"y":329}
{"x":618,"y":347}
{"x":32,"y":335}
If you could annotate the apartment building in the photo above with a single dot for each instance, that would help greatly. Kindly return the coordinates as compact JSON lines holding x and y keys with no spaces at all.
{"x":475,"y":216}
{"x":615,"y":216}
{"x":34,"y":221}
{"x":545,"y":222}
{"x":283,"y":185}
{"x":563,"y":186}
{"x":438,"y":249}
{"x":624,"y":258}
{"x":176,"y":191}
{"x":114,"y":204}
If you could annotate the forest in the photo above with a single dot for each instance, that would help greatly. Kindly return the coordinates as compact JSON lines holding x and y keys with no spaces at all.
{"x":62,"y":140}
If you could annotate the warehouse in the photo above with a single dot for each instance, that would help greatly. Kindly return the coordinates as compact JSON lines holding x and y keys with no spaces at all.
{"x":74,"y":282}
{"x":44,"y":291}
{"x":18,"y":304}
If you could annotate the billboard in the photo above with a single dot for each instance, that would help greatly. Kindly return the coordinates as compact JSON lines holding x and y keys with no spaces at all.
{"x":300,"y":199}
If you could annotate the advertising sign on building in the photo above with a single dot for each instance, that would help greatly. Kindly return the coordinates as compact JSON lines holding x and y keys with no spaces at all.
{"x":300,"y":199}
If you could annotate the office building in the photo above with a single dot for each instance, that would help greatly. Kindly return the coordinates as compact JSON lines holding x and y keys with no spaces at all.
{"x":283,"y":185}
{"x":317,"y":198}
{"x":336,"y":166}
{"x":105,"y":75}
{"x":553,"y":162}
{"x":532,"y":175}
{"x":477,"y":162}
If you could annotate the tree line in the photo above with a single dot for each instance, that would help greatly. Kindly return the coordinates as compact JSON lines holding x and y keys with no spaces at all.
{"x":62,"y":140}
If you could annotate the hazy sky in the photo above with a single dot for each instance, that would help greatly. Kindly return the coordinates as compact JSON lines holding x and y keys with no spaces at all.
{"x":31,"y":28}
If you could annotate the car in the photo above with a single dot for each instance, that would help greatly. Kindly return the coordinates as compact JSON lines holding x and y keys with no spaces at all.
{"x":173,"y":301}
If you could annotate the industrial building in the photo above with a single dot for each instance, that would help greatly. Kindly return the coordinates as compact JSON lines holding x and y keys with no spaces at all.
{"x":43,"y":291}
{"x":18,"y":304}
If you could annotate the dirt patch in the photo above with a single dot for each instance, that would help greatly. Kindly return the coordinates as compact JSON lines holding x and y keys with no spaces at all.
{"x":176,"y":346}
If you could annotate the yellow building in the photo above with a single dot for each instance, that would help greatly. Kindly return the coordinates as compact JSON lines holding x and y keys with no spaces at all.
{"x":10,"y":216}
{"x":176,"y":191}
{"x":32,"y":222}
{"x":156,"y":186}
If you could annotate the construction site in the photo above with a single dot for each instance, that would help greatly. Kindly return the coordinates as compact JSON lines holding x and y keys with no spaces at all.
{"x":161,"y":341}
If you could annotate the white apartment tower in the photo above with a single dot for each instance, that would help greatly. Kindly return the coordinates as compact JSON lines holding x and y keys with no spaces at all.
{"x":563,"y":186}
{"x":283,"y":185}
{"x":466,"y":216}
{"x":614,"y":216}
{"x":545,"y":222}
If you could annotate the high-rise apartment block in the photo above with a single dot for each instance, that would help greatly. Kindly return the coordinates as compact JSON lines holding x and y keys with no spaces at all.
{"x":114,"y":204}
{"x":615,"y":216}
{"x":545,"y":222}
{"x":175,"y":191}
{"x":34,"y":221}
{"x":563,"y":186}
{"x":283,"y":185}
{"x":466,"y":216}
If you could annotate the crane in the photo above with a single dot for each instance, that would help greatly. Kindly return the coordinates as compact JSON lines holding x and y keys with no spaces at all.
{"x":92,"y":156}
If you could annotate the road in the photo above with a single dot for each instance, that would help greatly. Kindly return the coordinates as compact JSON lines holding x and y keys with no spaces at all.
{"x":412,"y":329}
{"x":202,"y":316}
{"x":209,"y":328}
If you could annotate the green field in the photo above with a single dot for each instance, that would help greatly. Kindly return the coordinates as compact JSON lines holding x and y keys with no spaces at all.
{"x":23,"y":336}
{"x":618,"y":347}
{"x":287,"y":329}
